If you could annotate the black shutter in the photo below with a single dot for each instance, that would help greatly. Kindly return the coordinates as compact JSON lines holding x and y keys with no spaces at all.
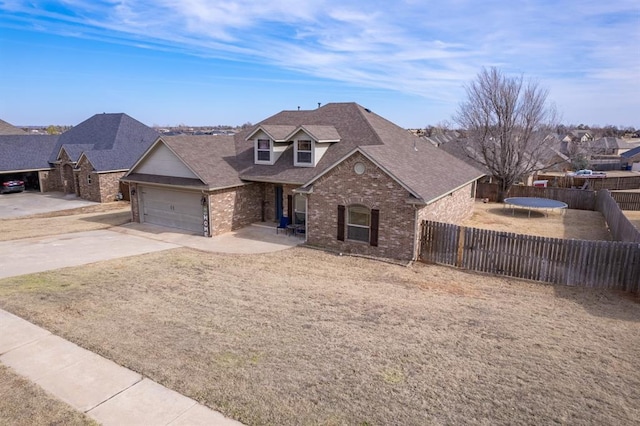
{"x":290,"y":208}
{"x":375,"y":221}
{"x":341,"y":223}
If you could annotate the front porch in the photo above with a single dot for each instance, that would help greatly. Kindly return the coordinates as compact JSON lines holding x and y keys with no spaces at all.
{"x":259,"y":237}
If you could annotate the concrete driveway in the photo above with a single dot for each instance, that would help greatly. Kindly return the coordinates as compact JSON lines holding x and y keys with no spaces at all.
{"x":30,"y":255}
{"x":38,"y":254}
{"x":28,"y":203}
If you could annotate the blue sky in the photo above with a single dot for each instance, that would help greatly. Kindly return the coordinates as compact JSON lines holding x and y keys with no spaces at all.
{"x":202,"y":62}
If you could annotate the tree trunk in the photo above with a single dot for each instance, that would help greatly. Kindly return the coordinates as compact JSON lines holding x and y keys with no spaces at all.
{"x":503,"y":191}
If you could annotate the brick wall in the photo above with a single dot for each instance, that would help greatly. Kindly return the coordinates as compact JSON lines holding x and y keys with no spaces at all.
{"x":374,"y":189}
{"x":86,"y":190}
{"x":49,"y":180}
{"x":234,"y":208}
{"x":135,"y":202}
{"x":108,"y":186}
{"x":270,"y":200}
{"x":452,"y":208}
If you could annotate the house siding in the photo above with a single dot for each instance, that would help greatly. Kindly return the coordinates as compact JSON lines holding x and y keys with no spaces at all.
{"x":374,"y":189}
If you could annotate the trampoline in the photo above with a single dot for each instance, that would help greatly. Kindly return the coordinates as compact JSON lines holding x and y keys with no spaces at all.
{"x":534,"y":203}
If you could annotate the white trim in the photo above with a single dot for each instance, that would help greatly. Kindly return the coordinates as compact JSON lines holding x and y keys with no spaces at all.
{"x":297,"y":163}
{"x":268,"y":162}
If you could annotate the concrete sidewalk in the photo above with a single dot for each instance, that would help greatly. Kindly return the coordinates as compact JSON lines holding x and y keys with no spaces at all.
{"x":105,"y":391}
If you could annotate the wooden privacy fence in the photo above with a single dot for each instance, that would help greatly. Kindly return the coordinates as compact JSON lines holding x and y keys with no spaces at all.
{"x":575,"y":198}
{"x":622,"y":182}
{"x":620,"y":226}
{"x":627,"y":200}
{"x":601,"y":264}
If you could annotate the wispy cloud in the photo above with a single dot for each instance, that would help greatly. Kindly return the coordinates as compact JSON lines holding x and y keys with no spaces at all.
{"x":420,"y":47}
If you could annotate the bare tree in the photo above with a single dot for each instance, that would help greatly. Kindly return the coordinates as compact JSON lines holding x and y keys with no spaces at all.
{"x":507,"y":121}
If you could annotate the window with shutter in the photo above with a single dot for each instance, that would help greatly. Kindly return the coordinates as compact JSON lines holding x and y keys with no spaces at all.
{"x":341,"y":213}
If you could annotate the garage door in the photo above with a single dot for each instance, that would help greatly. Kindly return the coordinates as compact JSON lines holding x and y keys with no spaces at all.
{"x":175,"y":209}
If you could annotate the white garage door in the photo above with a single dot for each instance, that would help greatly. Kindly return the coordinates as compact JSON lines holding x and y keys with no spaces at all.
{"x":175,"y":209}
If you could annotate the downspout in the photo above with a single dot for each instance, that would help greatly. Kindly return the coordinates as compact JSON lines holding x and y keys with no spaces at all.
{"x":416,"y":228}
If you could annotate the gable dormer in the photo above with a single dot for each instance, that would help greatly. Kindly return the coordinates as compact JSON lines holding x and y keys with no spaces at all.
{"x":269,"y":142}
{"x":310,"y":143}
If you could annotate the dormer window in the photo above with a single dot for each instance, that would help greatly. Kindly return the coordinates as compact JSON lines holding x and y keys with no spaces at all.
{"x":263,"y":150}
{"x":304,"y":153}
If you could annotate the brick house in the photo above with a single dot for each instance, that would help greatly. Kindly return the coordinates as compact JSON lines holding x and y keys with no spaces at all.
{"x":89,"y":159}
{"x":346,"y":178}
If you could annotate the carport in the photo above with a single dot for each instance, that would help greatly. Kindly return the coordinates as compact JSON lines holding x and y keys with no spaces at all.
{"x":26,"y":158}
{"x":31,"y":178}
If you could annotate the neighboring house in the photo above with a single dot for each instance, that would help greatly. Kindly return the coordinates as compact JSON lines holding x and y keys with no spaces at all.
{"x":348,"y":179}
{"x":8,"y":129}
{"x":609,"y":146}
{"x":87,"y":160}
{"x":25,"y":157}
{"x":631,"y":159}
{"x":578,"y":136}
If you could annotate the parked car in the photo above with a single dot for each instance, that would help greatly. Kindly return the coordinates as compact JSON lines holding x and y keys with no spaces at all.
{"x":587,"y":173}
{"x":12,"y":186}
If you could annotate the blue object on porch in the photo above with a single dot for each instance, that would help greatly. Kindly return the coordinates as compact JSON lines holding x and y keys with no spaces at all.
{"x":284,"y":223}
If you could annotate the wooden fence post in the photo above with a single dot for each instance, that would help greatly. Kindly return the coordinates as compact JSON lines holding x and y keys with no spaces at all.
{"x":460,"y":257}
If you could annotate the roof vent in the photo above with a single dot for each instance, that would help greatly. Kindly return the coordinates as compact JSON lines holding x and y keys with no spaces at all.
{"x":367,"y":109}
{"x":319,"y":104}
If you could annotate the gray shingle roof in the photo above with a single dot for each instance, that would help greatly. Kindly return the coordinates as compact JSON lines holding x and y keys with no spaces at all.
{"x":212,"y":158}
{"x":427,"y":172}
{"x":224,"y":161}
{"x":116,"y":141}
{"x":322,"y":133}
{"x":608,"y":143}
{"x":276,"y":132}
{"x":631,"y":153}
{"x":26,"y":152}
{"x":8,"y":129}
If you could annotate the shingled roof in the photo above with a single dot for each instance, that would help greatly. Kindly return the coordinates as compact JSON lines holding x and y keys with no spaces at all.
{"x":426,"y":170}
{"x":109,"y":141}
{"x":210,"y":157}
{"x":8,"y":129}
{"x":25,"y":152}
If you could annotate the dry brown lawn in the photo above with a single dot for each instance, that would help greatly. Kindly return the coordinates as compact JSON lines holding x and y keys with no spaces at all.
{"x":24,"y":403}
{"x":302,"y":337}
{"x":634,"y":217}
{"x":305,"y":337}
{"x":90,"y":218}
{"x":569,"y":224}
